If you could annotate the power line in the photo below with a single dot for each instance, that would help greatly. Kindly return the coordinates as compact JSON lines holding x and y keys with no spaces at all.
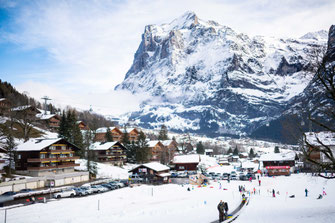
{"x":46,"y":99}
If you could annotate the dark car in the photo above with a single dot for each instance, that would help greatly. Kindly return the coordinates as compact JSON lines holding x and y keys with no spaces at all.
{"x":26,"y":190}
{"x":109,"y":186}
{"x":250,"y":175}
{"x":8,"y":193}
{"x":125,"y":182}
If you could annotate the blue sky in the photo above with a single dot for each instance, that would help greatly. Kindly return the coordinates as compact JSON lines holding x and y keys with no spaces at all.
{"x":77,"y":51}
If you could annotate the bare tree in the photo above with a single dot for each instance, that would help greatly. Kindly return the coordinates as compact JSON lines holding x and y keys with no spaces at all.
{"x":322,"y":111}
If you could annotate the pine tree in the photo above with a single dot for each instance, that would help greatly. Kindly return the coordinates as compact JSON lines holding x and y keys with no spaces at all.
{"x":200,"y":148}
{"x":142,"y":149}
{"x":229,"y":151}
{"x":163,"y":133}
{"x":63,"y":130}
{"x":251,"y":153}
{"x":235,"y":152}
{"x":108,"y":136}
{"x":277,"y":149}
{"x":89,"y":154}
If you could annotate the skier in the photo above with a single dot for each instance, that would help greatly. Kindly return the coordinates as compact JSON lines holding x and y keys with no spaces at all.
{"x":324,"y":191}
{"x":306,"y":192}
{"x":273,"y":193}
{"x":221,"y":210}
{"x":226,"y":209}
{"x":259,"y":182}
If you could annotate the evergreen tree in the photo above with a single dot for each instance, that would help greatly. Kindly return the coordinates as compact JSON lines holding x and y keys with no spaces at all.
{"x":63,"y":130}
{"x":235,"y":152}
{"x":108,"y":136}
{"x":251,"y":153}
{"x":200,"y":148}
{"x":229,"y":151}
{"x":163,"y":133}
{"x":277,"y":149}
{"x":89,"y":154}
{"x":142,"y":149}
{"x":130,"y":147}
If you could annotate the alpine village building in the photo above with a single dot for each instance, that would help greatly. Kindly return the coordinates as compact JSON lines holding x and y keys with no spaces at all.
{"x":110,"y":152}
{"x":152,"y":173}
{"x":43,"y":157}
{"x":116,"y":133}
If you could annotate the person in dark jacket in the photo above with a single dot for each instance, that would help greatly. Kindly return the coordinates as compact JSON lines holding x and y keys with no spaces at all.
{"x":226,"y":210}
{"x":273,"y":193}
{"x":221,"y":211}
{"x":306,"y":192}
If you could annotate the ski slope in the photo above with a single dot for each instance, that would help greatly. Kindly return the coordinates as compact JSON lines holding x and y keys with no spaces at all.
{"x":173,"y":203}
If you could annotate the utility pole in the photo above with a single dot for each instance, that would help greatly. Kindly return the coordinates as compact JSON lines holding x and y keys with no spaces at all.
{"x":46,"y":99}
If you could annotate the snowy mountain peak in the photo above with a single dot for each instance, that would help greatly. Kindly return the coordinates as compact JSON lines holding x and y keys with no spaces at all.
{"x":213,"y":80}
{"x":321,"y":35}
{"x":187,"y":20}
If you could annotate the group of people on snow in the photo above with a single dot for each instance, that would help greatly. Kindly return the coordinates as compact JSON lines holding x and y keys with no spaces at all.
{"x":223,"y":210}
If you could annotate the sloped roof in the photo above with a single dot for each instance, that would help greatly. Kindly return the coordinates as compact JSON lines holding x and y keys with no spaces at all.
{"x":154,"y":166}
{"x":192,"y":158}
{"x":103,"y":146}
{"x":327,"y":138}
{"x":152,"y":143}
{"x":45,"y":117}
{"x":277,"y":156}
{"x":166,"y":142}
{"x":104,"y":129}
{"x":36,"y":144}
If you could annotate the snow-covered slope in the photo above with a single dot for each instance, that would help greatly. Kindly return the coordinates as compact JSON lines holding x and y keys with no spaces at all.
{"x":213,"y":80}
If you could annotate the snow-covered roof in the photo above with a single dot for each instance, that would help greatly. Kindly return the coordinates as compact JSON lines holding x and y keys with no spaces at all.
{"x":249,"y":165}
{"x":277,"y":156}
{"x":104,"y":129}
{"x":327,"y":138}
{"x":128,"y":130}
{"x":153,"y":143}
{"x":21,"y":108}
{"x":36,"y":144}
{"x":208,"y":150}
{"x":192,"y":158}
{"x":166,"y":142}
{"x":154,"y":166}
{"x":42,"y":116}
{"x":102,"y":146}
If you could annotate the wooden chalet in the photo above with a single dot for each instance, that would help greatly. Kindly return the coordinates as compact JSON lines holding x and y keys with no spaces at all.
{"x":157,"y":150}
{"x":133,"y":134}
{"x":153,"y":173}
{"x":186,"y":162}
{"x":44,"y":157}
{"x":116,"y":133}
{"x":29,"y":111}
{"x":172,"y":148}
{"x":111,"y":152}
{"x":52,"y":120}
{"x":82,"y":125}
{"x":313,"y":145}
{"x":278,"y":163}
{"x":5,"y":106}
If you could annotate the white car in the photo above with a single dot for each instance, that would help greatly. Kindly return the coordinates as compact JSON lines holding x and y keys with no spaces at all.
{"x":98,"y":188}
{"x":87,"y":189}
{"x":65,"y":193}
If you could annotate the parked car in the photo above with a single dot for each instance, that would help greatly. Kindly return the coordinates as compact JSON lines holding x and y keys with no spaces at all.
{"x":248,"y":175}
{"x":136,"y":178}
{"x":65,"y":193}
{"x":174,"y":174}
{"x":9,"y":193}
{"x":233,"y":177}
{"x":26,"y":190}
{"x":109,"y":186}
{"x":182,"y":174}
{"x":225,"y":176}
{"x":87,"y":189}
{"x":98,"y":188}
{"x":243,"y":177}
{"x":80,"y":192}
{"x":125,"y":182}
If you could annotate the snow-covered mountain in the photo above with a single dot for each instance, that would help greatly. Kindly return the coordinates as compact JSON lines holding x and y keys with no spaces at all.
{"x":213,"y":80}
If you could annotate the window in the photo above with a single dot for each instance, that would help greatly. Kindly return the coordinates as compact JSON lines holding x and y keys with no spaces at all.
{"x":52,"y":147}
{"x":19,"y":156}
{"x":42,"y":155}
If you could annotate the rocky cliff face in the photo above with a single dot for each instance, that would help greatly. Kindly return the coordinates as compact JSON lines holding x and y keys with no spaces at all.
{"x":213,"y":80}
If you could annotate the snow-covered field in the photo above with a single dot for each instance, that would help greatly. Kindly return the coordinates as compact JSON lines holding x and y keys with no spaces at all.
{"x":173,"y":203}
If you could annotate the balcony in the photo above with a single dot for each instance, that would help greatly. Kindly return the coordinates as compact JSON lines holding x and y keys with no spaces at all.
{"x":52,"y":167}
{"x":39,"y":160}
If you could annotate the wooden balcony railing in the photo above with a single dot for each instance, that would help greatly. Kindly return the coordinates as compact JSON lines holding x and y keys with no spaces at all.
{"x":39,"y":160}
{"x":53,"y":167}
